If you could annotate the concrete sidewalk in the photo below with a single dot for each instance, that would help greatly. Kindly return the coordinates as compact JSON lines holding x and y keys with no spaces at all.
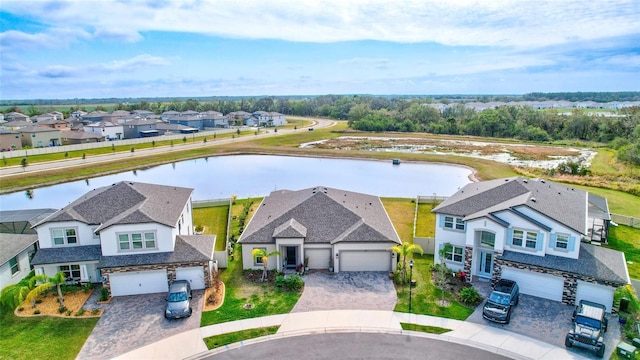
{"x":190,"y":344}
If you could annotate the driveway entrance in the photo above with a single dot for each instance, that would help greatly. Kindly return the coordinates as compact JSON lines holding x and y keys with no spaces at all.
{"x":130,"y":322}
{"x":347,"y":291}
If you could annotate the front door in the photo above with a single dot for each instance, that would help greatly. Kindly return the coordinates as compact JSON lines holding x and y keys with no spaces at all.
{"x":291,"y":257}
{"x":486,"y":264}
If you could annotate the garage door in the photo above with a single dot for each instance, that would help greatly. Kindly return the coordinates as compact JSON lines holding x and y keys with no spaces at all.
{"x":365,"y":261}
{"x":536,"y":284}
{"x":318,"y":258}
{"x":600,"y":294}
{"x":195,"y":276}
{"x":138,"y":282}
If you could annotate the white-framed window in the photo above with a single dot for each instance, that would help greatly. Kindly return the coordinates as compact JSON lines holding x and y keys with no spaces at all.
{"x":487,"y":238}
{"x":64,"y":236}
{"x":523,"y":238}
{"x":137,"y":241}
{"x":257,"y":260}
{"x":451,"y":222}
{"x":14,"y":265}
{"x":70,"y":271}
{"x":562,"y":241}
{"x":455,"y":254}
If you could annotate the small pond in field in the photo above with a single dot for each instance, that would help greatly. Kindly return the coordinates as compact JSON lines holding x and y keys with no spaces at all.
{"x":257,"y":175}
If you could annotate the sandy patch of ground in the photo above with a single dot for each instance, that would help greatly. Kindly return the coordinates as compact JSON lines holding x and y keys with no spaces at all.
{"x":48,"y":305}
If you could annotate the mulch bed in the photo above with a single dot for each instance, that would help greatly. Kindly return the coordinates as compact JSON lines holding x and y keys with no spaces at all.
{"x":48,"y":305}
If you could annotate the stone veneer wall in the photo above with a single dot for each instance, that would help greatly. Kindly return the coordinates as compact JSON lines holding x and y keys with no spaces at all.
{"x":570,"y":280}
{"x":171,"y":271}
{"x":468,"y":258}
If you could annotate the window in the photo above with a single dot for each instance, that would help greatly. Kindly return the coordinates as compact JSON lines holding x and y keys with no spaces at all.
{"x":487,"y":238}
{"x":137,"y":241}
{"x":70,"y":271}
{"x":64,"y":236}
{"x":13,"y":264}
{"x":562,"y":241}
{"x":527,"y":239}
{"x":258,"y":259}
{"x":455,"y":254}
{"x":451,"y":222}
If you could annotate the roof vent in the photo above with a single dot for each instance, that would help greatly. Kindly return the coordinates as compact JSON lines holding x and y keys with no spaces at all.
{"x":525,"y":181}
{"x":542,"y":181}
{"x":533,"y":199}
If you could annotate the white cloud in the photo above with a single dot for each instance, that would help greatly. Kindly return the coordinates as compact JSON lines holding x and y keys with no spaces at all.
{"x":116,"y":66}
{"x":135,"y":63}
{"x":463,"y":22}
{"x":54,"y":38}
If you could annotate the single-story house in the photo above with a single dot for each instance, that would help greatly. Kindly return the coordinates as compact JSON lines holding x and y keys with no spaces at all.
{"x":335,"y":228}
{"x":16,"y":251}
{"x":135,"y":238}
{"x":533,"y":231}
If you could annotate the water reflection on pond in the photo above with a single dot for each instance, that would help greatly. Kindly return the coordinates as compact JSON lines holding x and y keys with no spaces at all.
{"x":258,"y":175}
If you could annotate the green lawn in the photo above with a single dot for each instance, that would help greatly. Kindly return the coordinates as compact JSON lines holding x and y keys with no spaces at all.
{"x":425,"y":294}
{"x":214,"y":220}
{"x":42,"y":337}
{"x":426,"y":226}
{"x":234,"y":337}
{"x":627,"y":239}
{"x":424,"y":328}
{"x":401,"y":213}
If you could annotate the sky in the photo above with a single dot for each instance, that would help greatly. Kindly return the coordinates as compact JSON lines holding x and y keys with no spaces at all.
{"x":193,"y":48}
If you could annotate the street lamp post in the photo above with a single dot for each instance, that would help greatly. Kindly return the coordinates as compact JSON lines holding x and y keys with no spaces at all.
{"x":410,"y":281}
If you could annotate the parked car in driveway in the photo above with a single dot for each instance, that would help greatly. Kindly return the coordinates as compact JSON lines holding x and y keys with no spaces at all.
{"x":178,"y":300}
{"x":588,"y":328}
{"x":505,"y":295}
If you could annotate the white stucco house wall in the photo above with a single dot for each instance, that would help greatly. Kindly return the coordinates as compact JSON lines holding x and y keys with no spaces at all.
{"x":106,"y":129}
{"x":533,"y":231}
{"x":16,"y":251}
{"x":345,"y":230}
{"x":135,"y":238}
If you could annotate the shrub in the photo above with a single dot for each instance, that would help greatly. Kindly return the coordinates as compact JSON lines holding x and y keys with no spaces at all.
{"x":280,"y":280}
{"x":104,"y":294}
{"x":294,"y":283}
{"x":62,"y":309}
{"x":87,"y":286}
{"x":80,"y":312}
{"x":469,"y":295}
{"x":20,"y":308}
{"x":68,"y":312}
{"x":95,"y":311}
{"x":36,"y":312}
{"x":38,"y":301}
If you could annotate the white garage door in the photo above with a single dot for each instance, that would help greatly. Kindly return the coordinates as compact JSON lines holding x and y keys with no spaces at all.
{"x":138,"y":282}
{"x":600,"y":294}
{"x":318,"y":258}
{"x":195,"y":276}
{"x":365,"y":261}
{"x":536,"y":284}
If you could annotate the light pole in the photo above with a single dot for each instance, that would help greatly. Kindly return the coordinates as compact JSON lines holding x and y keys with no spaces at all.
{"x":410,"y":281}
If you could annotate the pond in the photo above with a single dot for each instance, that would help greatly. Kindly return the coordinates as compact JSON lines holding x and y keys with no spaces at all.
{"x":258,"y":175}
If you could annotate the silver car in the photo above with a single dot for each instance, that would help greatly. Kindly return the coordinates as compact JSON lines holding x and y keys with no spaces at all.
{"x":178,"y":300}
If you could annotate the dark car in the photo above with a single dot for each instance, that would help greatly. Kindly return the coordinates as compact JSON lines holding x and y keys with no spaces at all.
{"x":505,"y":295}
{"x":178,"y":300}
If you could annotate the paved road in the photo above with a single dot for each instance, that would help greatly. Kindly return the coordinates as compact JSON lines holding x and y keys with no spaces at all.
{"x":34,"y":168}
{"x":356,"y":346}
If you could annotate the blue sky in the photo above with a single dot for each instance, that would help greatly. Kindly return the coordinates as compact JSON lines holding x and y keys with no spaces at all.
{"x":128,"y":48}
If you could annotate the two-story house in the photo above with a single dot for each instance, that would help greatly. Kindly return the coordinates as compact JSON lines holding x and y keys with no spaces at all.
{"x":135,"y":238}
{"x":533,"y":231}
{"x":107,"y":130}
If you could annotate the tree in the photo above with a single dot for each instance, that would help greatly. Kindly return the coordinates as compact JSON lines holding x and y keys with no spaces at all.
{"x":15,"y":294}
{"x":24,"y":163}
{"x":46,"y":283}
{"x":404,"y":250}
{"x":264,"y":255}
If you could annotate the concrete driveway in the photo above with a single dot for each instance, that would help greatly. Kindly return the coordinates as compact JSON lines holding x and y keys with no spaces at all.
{"x":548,"y":321}
{"x":347,"y":291}
{"x":130,"y":322}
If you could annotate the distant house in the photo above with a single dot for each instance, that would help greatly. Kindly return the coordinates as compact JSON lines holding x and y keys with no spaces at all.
{"x":168,"y":129}
{"x":16,"y":251}
{"x":135,"y":238}
{"x":39,"y":136}
{"x":106,"y":129}
{"x":10,"y":140}
{"x":55,"y":123}
{"x":16,"y":116}
{"x":165,"y":116}
{"x":137,"y":128}
{"x":263,"y":118}
{"x":215,"y":121}
{"x":535,"y":232}
{"x":347,"y":230}
{"x":21,"y":221}
{"x":237,"y":117}
{"x":95,"y":115}
{"x":192,"y":121}
{"x":79,"y":137}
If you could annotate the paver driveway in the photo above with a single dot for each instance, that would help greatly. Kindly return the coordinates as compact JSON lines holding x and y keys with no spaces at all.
{"x":347,"y":291}
{"x":548,"y":321}
{"x":130,"y":322}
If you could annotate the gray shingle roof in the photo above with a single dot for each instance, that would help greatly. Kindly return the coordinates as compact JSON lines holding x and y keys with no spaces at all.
{"x":67,"y":254}
{"x":290,"y":229}
{"x":126,"y":203}
{"x":187,"y":249}
{"x":594,"y":261}
{"x":13,"y":244}
{"x":329,"y":215}
{"x":562,"y":203}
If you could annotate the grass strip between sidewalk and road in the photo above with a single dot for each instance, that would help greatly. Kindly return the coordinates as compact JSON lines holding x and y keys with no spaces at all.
{"x":216,"y":341}
{"x":424,"y":328}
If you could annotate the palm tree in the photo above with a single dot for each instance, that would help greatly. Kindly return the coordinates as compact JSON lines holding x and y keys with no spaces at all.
{"x":262,"y":253}
{"x":46,"y":283}
{"x":14,"y":295}
{"x":404,"y":250}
